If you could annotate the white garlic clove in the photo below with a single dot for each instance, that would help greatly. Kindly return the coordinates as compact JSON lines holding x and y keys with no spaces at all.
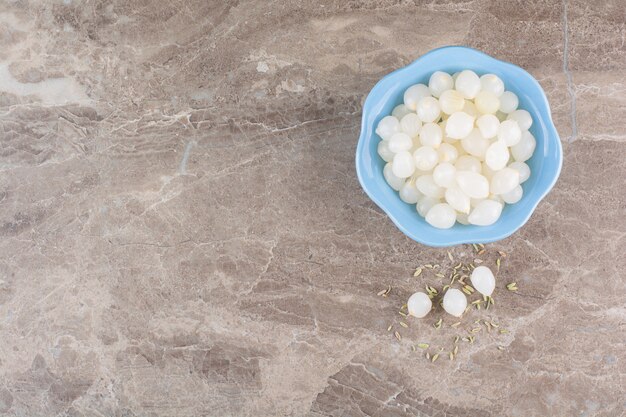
{"x":387,"y":127}
{"x":472,"y":184}
{"x":468,"y":163}
{"x":522,"y":117}
{"x":403,"y":164}
{"x":393,"y":181}
{"x":454,"y":302}
{"x":419,"y":305}
{"x":486,"y":213}
{"x":384,"y":152}
{"x":486,"y":102}
{"x":426,"y":158}
{"x":488,"y":125}
{"x":513,"y":196}
{"x":451,"y":101}
{"x":414,"y":94}
{"x":508,"y":102}
{"x":447,"y":153}
{"x":483,"y":280}
{"x":400,"y":142}
{"x":411,"y":124}
{"x":468,"y":84}
{"x":458,"y":200}
{"x":400,"y":111}
{"x":444,"y":174}
{"x":492,"y":83}
{"x":441,"y":216}
{"x":459,"y":125}
{"x":426,"y":203}
{"x":431,"y":135}
{"x":510,"y":132}
{"x":440,"y":82}
{"x":409,"y":193}
{"x":504,"y":181}
{"x":525,"y":148}
{"x":497,"y":155}
{"x":428,"y":109}
{"x":427,"y":186}
{"x":522,"y":168}
{"x":475,"y":144}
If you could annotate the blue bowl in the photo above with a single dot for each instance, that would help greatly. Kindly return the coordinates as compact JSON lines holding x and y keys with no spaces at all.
{"x":545,"y":163}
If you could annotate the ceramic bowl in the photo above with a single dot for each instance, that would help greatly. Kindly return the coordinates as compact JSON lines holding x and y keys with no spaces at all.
{"x":545,"y":163}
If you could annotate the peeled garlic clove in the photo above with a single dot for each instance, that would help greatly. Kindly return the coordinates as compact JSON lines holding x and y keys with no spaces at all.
{"x":400,"y":142}
{"x":454,"y":302}
{"x":472,"y":184}
{"x":483,"y":280}
{"x":447,"y":153}
{"x":513,"y":196}
{"x":522,"y":168}
{"x":426,"y":203}
{"x":384,"y":152}
{"x":387,"y":127}
{"x":458,"y":200}
{"x":441,"y":216}
{"x":409,"y":193}
{"x":444,"y":174}
{"x":488,"y":125}
{"x":486,"y":213}
{"x":451,"y":101}
{"x":504,"y":181}
{"x":486,"y":102}
{"x":393,"y":181}
{"x":525,"y":148}
{"x":497,"y":155}
{"x":414,"y":94}
{"x":400,"y":111}
{"x":492,"y":83}
{"x":419,"y":305}
{"x":427,"y":186}
{"x":411,"y":124}
{"x":459,"y":125}
{"x":431,"y":135}
{"x":440,"y":82}
{"x":470,"y":108}
{"x":403,"y":164}
{"x":468,"y":84}
{"x":425,"y":158}
{"x":468,"y":163}
{"x":475,"y":144}
{"x":522,"y":117}
{"x":510,"y":132}
{"x":428,"y":109}
{"x":508,"y":102}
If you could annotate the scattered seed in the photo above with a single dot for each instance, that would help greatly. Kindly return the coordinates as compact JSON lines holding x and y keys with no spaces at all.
{"x":495,"y":324}
{"x":501,"y":253}
{"x":427,"y":355}
{"x":384,"y":292}
{"x":435,"y":266}
{"x":440,"y":275}
{"x":471,"y":339}
{"x":451,"y":355}
{"x":460,"y":264}
{"x":477,"y":306}
{"x":413,"y":348}
{"x":477,"y":302}
{"x":390,"y":327}
{"x":428,"y":266}
{"x":402,"y":314}
{"x":450,"y":256}
{"x":481,"y":246}
{"x":397,"y":335}
{"x":404,"y":307}
{"x":475,"y":247}
{"x":500,"y":347}
{"x":480,"y":252}
{"x":466,"y":339}
{"x":469,"y":288}
{"x":472,"y":266}
{"x":417,"y":272}
{"x":466,"y":291}
{"x":478,"y":261}
{"x":475,"y":330}
{"x":512,"y":286}
{"x":456,"y":349}
{"x":445,"y":287}
{"x":456,"y":340}
{"x":438,"y":323}
{"x":504,"y":331}
{"x":435,"y":357}
{"x":491,"y":300}
{"x":403,"y":324}
{"x":455,"y":324}
{"x":423,"y":345}
{"x":498,"y":263}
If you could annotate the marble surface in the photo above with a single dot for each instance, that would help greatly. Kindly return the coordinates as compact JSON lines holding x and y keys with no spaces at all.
{"x":182,"y":231}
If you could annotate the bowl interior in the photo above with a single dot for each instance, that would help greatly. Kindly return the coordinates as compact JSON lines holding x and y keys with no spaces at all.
{"x":545,"y":163}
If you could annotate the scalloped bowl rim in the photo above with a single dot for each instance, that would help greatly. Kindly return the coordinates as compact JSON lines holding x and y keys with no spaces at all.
{"x":504,"y":227}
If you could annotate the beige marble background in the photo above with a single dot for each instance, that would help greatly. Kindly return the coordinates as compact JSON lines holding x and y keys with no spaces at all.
{"x":182,"y":232}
